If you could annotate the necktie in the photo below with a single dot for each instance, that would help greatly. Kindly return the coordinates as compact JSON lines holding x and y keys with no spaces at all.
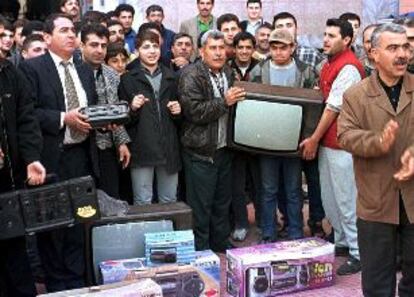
{"x":72,"y":102}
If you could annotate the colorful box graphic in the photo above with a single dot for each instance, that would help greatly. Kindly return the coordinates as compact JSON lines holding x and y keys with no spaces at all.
{"x":115,"y":271}
{"x":279,"y":268}
{"x":209,"y":263}
{"x":201,"y":278}
{"x":176,"y":247}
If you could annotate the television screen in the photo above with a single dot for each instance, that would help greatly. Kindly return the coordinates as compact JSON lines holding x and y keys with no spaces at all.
{"x":280,"y":131}
{"x":273,"y":120}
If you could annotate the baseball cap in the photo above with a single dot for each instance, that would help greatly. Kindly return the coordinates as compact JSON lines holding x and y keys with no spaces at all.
{"x":282,"y":36}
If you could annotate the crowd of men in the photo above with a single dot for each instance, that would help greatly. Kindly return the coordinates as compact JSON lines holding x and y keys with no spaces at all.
{"x":358,"y":163}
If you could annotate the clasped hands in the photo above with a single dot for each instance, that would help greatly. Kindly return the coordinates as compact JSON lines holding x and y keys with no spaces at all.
{"x":139,"y":100}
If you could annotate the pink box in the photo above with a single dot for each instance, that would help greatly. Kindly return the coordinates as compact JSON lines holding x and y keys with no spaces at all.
{"x":280,"y":267}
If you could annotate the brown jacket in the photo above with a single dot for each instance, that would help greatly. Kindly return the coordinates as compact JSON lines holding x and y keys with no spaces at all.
{"x":365,"y":111}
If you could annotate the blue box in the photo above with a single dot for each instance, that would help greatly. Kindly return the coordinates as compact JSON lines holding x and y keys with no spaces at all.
{"x":176,"y":247}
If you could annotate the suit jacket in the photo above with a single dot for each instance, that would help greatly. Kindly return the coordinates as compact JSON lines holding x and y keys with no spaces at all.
{"x":365,"y":111}
{"x":50,"y":102}
{"x":190,"y":27}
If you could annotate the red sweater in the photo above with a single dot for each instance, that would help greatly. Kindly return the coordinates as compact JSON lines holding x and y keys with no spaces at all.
{"x":329,"y":73}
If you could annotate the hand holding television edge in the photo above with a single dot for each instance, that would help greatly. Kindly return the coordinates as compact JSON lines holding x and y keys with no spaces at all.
{"x":273,"y":120}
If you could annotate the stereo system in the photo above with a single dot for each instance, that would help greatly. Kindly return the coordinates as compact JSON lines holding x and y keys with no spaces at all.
{"x":100,"y":116}
{"x":48,"y":207}
{"x":187,"y":284}
{"x":264,"y":281}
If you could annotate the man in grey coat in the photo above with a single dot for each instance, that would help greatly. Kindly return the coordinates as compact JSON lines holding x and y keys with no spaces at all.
{"x":200,"y":23}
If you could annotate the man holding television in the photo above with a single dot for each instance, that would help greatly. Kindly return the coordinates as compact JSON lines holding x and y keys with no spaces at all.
{"x":282,"y":70}
{"x":309,"y":56}
{"x":338,"y":190}
{"x":375,"y":126}
{"x":206,"y":95}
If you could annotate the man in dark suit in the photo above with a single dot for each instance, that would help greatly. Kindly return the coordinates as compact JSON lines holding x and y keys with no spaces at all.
{"x":20,"y":146}
{"x":60,"y":88}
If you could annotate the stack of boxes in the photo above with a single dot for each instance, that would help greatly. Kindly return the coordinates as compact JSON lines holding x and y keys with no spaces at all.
{"x":172,"y":262}
{"x":172,"y":265}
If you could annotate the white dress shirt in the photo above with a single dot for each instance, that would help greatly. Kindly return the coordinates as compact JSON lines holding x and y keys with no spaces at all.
{"x":80,"y":91}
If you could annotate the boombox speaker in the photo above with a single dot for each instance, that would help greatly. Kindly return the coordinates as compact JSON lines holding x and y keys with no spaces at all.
{"x":48,"y":207}
{"x":11,"y":223}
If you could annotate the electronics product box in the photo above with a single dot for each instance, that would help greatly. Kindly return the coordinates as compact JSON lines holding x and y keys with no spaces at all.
{"x":209,"y":263}
{"x":120,"y":270}
{"x":280,"y":267}
{"x":175,"y":280}
{"x":175,"y":247}
{"x":206,"y":264}
{"x":137,"y":288}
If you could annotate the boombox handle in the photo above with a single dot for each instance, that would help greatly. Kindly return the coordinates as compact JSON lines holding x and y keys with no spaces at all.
{"x":51,"y":178}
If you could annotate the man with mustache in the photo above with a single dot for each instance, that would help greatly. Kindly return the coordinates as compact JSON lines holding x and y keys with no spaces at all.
{"x":338,"y":191}
{"x":72,"y":8}
{"x":182,"y":48}
{"x":202,"y":22}
{"x":206,"y":93}
{"x":112,"y":145}
{"x":375,"y":126}
{"x":116,"y":32}
{"x":59,"y":88}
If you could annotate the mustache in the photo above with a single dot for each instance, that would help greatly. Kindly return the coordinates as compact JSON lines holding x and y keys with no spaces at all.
{"x":400,"y":62}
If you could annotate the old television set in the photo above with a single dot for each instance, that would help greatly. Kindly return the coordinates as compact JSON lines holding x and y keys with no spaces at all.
{"x":273,"y":120}
{"x":122,"y":237}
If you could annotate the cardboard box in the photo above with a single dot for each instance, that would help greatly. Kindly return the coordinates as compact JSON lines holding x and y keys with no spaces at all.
{"x":279,"y":268}
{"x":209,"y":263}
{"x":138,"y":288}
{"x":201,"y":278}
{"x":115,"y":271}
{"x":176,"y":247}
